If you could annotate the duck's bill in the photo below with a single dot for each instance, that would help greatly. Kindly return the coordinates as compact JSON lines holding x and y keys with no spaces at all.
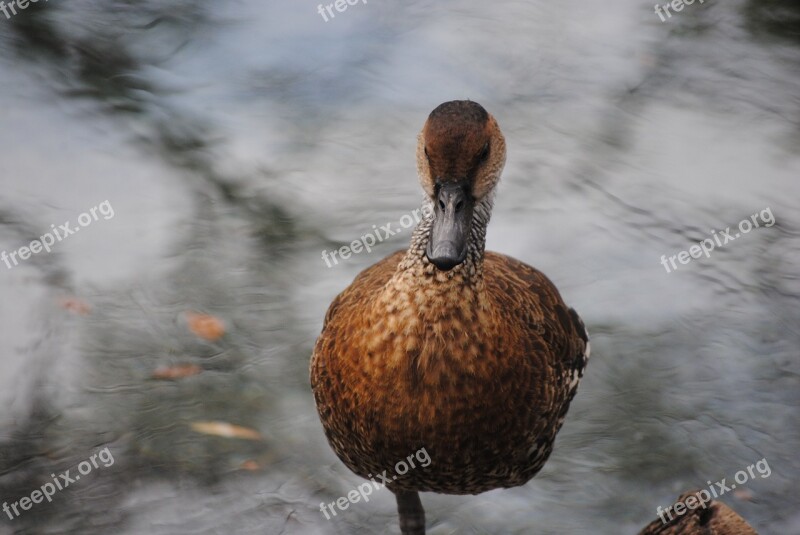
{"x":449,"y":238}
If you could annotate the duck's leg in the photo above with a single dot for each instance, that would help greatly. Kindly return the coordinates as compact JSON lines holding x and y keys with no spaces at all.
{"x":412,"y":515}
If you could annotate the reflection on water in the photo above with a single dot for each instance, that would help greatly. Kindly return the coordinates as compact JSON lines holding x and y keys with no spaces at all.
{"x":237,"y":142}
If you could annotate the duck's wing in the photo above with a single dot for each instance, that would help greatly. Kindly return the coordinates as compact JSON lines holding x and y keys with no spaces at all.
{"x":555,"y":331}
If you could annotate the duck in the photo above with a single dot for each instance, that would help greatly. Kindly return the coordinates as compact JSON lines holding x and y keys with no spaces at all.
{"x":470,"y":356}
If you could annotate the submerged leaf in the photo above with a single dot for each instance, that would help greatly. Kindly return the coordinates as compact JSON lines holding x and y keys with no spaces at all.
{"x":205,"y":326}
{"x":226,"y":430}
{"x":73,"y":304}
{"x":178,"y":371}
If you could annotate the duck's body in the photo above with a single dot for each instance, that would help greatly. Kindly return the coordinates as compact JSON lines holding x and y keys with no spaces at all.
{"x":472,"y":356}
{"x":410,"y":361}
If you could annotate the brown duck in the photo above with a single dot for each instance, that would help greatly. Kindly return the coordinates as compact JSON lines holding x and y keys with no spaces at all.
{"x":472,"y":356}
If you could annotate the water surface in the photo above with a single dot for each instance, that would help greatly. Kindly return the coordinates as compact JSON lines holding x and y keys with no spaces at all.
{"x":238,"y":141}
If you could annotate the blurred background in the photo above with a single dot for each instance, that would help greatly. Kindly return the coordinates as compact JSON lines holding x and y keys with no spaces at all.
{"x":236,"y":141}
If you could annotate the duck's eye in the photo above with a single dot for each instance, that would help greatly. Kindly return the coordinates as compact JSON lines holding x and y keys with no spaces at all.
{"x":425,"y":149}
{"x":484,"y":153}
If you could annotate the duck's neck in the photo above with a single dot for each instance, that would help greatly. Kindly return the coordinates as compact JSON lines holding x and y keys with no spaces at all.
{"x":415,"y":268}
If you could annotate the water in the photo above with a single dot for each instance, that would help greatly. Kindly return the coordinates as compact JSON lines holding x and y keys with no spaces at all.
{"x":237,"y":141}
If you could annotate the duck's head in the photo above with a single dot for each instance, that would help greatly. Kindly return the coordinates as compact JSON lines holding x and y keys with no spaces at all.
{"x":460,"y":156}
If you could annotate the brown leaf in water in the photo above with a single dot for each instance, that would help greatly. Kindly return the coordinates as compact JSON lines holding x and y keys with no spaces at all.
{"x":73,"y":304}
{"x":226,"y":430}
{"x":205,"y":326}
{"x":179,"y":371}
{"x":250,"y":465}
